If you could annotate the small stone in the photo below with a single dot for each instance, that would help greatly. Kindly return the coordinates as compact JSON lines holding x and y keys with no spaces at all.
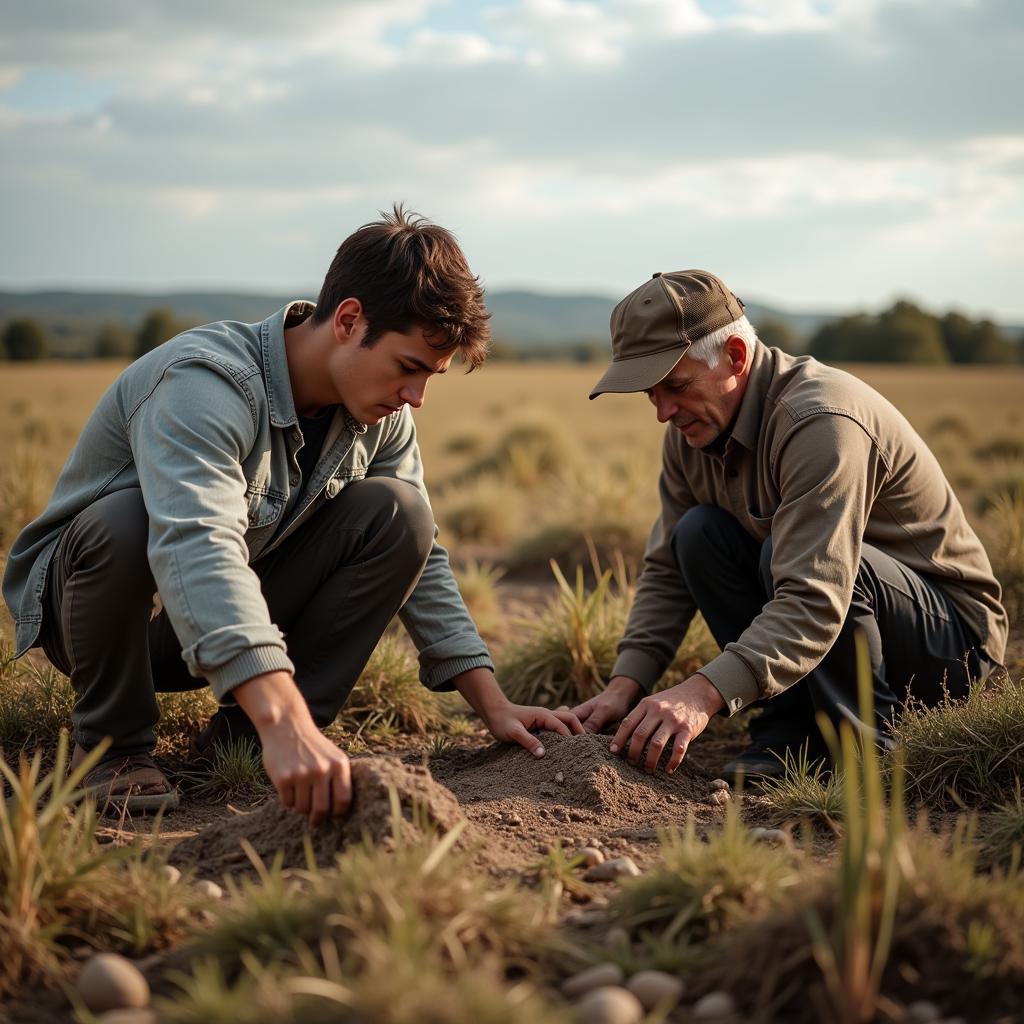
{"x":593,"y":977}
{"x":211,"y":890}
{"x":110,"y":982}
{"x":611,"y":869}
{"x":654,"y":988}
{"x":172,"y":874}
{"x":610,"y":1005}
{"x":616,"y":936}
{"x":758,"y":833}
{"x":775,"y":837}
{"x":593,"y":841}
{"x":714,"y":1005}
{"x":559,"y":777}
{"x":127,"y":1017}
{"x":591,"y":855}
{"x":923,"y":1012}
{"x":718,"y":784}
{"x":718,"y":796}
{"x":547,"y":790}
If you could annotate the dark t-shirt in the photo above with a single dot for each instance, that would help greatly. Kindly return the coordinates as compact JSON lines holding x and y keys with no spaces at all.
{"x":314,"y":430}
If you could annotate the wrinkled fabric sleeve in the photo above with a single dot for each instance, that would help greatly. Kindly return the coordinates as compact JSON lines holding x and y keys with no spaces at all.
{"x":435,"y":615}
{"x":828,"y":471}
{"x":188,"y":439}
{"x":663,"y":607}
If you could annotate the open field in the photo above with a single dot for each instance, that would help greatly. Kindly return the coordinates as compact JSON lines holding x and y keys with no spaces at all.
{"x":467,"y":903}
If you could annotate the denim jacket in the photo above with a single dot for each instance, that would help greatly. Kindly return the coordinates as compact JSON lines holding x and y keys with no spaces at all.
{"x":206,"y":425}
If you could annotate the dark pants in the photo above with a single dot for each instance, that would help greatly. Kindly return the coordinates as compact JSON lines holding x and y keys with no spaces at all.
{"x":332,"y":588}
{"x":917,"y":641}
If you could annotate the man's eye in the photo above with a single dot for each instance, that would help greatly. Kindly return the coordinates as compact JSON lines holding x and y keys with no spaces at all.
{"x":408,"y":369}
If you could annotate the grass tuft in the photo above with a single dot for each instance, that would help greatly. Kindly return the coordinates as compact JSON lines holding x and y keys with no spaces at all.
{"x":968,"y":751}
{"x":809,"y":791}
{"x":35,"y":702}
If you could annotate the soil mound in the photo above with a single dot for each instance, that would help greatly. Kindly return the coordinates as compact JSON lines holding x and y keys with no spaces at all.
{"x":217,"y":851}
{"x":576,"y":772}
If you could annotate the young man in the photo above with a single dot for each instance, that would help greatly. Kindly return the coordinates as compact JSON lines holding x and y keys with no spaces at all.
{"x":798,"y":509}
{"x":247,"y":483}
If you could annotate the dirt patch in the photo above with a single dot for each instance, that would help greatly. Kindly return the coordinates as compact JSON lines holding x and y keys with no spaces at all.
{"x":217,"y":851}
{"x":516,"y":806}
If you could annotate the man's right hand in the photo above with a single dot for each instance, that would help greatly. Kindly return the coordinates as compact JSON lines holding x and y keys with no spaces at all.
{"x":608,"y":707}
{"x":308,"y":771}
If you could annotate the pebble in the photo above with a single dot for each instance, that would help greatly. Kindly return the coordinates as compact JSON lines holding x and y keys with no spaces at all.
{"x":172,"y":874}
{"x":559,"y":777}
{"x":924,"y":1012}
{"x":718,"y":796}
{"x":211,"y":890}
{"x":612,"y":869}
{"x":591,"y":855}
{"x":511,"y":819}
{"x":718,"y":784}
{"x":616,"y":937}
{"x":774,"y":837}
{"x":547,"y":790}
{"x":713,"y":1005}
{"x":593,"y":841}
{"x":127,"y":1017}
{"x":653,"y":988}
{"x":758,"y":833}
{"x":110,"y":982}
{"x":609,"y":1005}
{"x":597,"y":976}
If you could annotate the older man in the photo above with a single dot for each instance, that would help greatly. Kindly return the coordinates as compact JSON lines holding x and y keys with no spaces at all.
{"x":798,"y":508}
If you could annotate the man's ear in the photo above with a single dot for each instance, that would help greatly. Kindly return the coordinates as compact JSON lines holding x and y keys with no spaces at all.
{"x":346,"y":319}
{"x":736,"y":351}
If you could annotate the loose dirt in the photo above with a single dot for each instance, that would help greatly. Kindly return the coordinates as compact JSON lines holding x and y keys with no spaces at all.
{"x":512,"y":804}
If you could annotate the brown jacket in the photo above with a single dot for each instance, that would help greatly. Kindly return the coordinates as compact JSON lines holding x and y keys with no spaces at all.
{"x":820,"y":462}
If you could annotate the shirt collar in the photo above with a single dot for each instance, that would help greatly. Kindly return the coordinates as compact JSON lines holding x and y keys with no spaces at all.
{"x":747,"y":426}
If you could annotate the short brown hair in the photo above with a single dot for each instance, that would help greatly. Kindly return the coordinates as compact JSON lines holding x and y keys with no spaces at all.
{"x":408,"y":272}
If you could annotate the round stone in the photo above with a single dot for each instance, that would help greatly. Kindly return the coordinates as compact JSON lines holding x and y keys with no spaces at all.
{"x":172,"y":874}
{"x":714,"y":1005}
{"x":757,"y":833}
{"x":591,"y":855}
{"x":559,"y":777}
{"x":612,"y":869}
{"x":211,"y":890}
{"x":598,"y":976}
{"x":718,"y":784}
{"x":110,"y":982}
{"x":775,"y":837}
{"x":610,"y":1005}
{"x":718,"y":796}
{"x":655,"y":988}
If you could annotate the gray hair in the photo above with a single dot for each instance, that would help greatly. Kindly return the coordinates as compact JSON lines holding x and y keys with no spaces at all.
{"x":709,"y":349}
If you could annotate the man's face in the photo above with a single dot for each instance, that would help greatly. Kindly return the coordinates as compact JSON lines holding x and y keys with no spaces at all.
{"x":374,"y":382}
{"x":700,"y":401}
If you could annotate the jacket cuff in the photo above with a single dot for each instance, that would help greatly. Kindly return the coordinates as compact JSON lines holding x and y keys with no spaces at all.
{"x":732,"y":678}
{"x":440,"y":675}
{"x":245,"y":666}
{"x":638,"y":665}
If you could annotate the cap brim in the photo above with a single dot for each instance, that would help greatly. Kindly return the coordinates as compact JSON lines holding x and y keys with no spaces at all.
{"x":638,"y":373}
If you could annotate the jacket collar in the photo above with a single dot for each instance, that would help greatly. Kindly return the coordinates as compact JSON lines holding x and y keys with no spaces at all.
{"x":275,"y":363}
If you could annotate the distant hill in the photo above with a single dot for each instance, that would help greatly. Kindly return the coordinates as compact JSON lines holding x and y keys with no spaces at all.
{"x":523,"y":320}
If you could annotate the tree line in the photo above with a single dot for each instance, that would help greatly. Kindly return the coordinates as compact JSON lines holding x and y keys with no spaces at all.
{"x":904,"y":333}
{"x":26,"y":338}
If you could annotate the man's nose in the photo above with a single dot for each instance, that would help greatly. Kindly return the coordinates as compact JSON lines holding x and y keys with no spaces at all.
{"x":665,"y":407}
{"x":412,"y":394}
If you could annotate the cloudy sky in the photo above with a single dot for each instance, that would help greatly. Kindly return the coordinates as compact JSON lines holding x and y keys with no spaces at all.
{"x":818,"y":154}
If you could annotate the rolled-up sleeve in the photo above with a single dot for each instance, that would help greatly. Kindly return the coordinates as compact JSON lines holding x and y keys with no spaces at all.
{"x":188,"y":439}
{"x":435,"y":614}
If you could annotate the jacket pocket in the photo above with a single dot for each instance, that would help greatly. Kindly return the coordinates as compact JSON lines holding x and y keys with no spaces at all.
{"x":264,"y":509}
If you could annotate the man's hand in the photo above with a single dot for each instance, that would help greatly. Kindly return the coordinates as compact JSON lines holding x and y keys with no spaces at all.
{"x":308,"y":771}
{"x":508,"y":722}
{"x":679,"y":714}
{"x":609,"y":706}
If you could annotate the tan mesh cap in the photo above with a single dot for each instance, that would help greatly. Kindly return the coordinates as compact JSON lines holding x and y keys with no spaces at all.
{"x":653,"y":326}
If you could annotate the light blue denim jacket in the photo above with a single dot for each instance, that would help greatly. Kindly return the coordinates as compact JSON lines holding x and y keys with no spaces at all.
{"x":206,"y":425}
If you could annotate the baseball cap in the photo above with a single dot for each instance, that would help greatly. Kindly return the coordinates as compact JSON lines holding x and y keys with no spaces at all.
{"x":654,"y":325}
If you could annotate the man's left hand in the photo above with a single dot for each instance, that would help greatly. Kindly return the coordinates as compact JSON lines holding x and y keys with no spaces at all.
{"x":677,"y":715}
